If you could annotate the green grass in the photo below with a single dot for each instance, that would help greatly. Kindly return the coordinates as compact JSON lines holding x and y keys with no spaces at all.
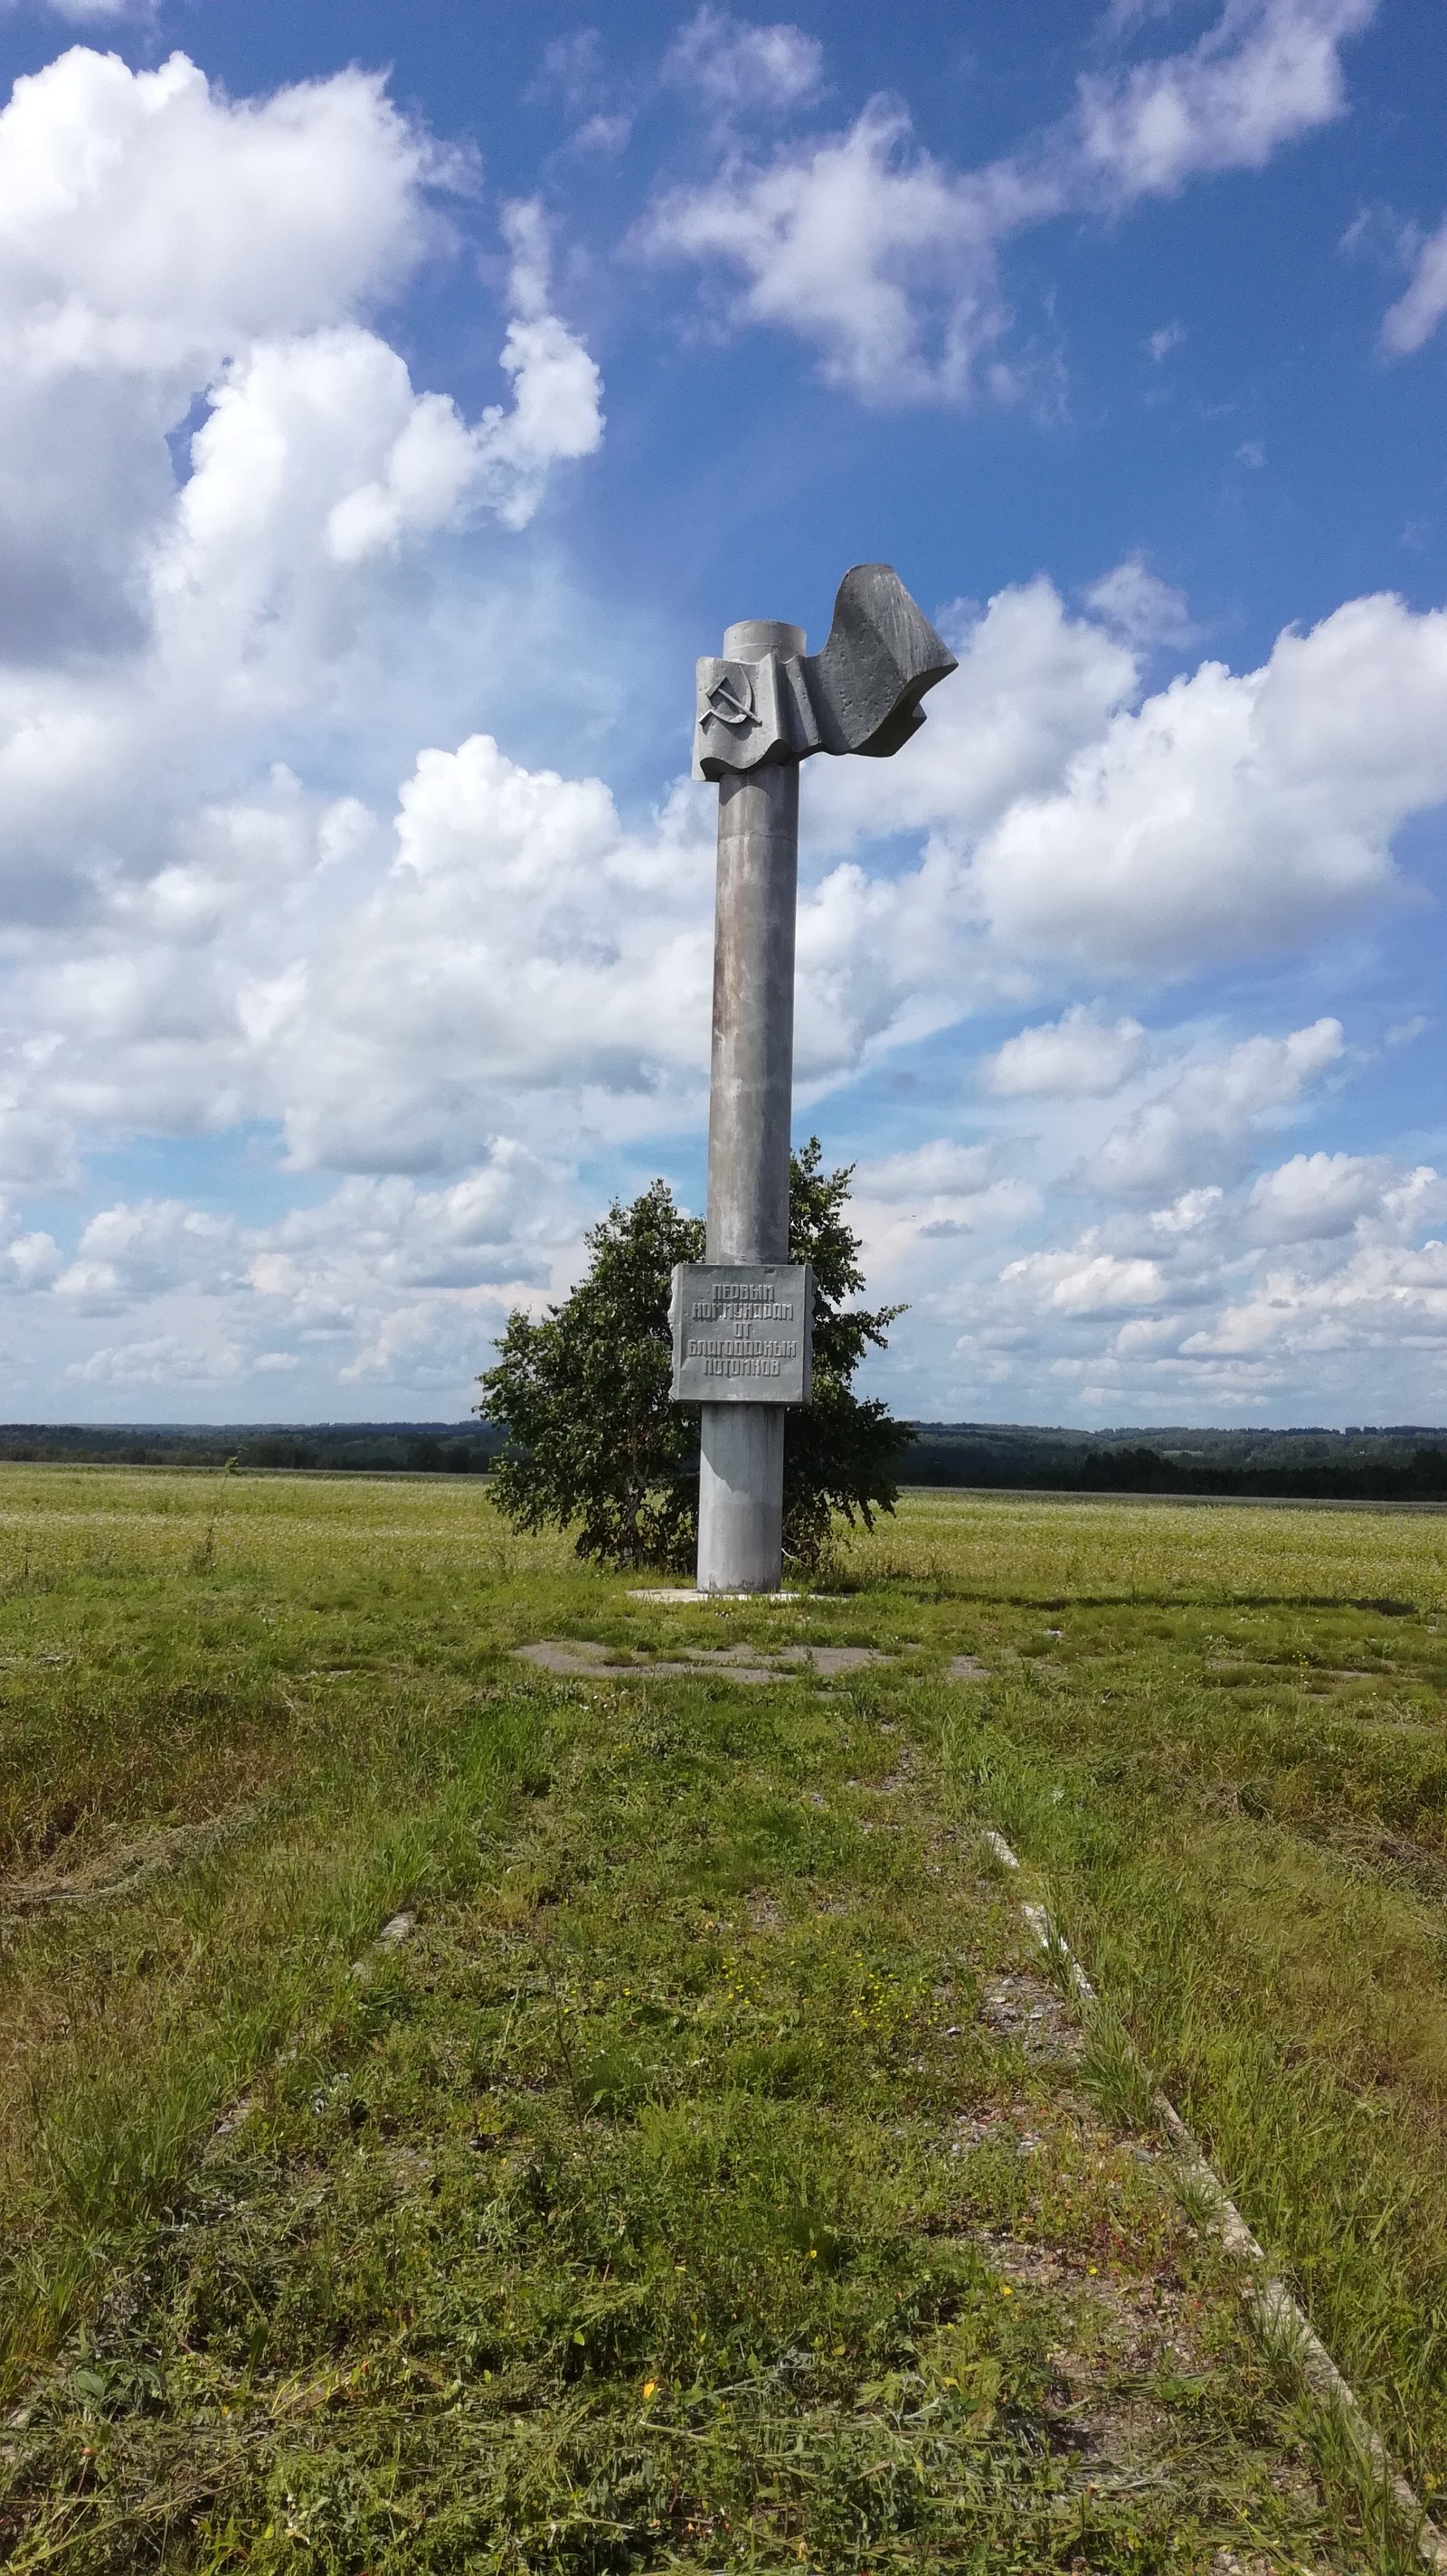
{"x":714,"y":2180}
{"x":1230,"y":1767}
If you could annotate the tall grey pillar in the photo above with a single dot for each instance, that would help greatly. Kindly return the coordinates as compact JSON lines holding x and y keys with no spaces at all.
{"x":741,"y":1469}
{"x":761,"y":710}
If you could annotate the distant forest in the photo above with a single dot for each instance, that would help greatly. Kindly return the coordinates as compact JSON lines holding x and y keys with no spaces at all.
{"x":370,"y":1448}
{"x":1392,"y":1463}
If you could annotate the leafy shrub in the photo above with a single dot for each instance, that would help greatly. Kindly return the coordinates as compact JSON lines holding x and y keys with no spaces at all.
{"x":594,"y":1436}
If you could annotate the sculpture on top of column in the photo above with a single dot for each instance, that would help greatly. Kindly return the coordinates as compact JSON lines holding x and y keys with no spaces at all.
{"x":861,"y":694}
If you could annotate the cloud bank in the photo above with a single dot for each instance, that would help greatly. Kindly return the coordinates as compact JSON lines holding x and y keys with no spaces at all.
{"x":269,"y":870}
{"x":884,"y":259}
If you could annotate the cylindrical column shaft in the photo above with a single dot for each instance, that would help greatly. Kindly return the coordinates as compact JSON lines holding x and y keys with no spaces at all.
{"x":741,"y":1469}
{"x":752,"y":1075}
{"x":741,"y":1498}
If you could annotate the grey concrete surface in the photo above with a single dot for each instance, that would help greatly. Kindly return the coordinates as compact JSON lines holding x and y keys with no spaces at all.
{"x":579,"y":1657}
{"x":741,"y":1498}
{"x":751,"y":1091}
{"x":769,"y":702}
{"x":741,"y":1332}
{"x":762,"y":708}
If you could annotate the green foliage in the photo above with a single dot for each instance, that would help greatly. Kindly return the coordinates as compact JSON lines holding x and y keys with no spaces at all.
{"x":841,"y":1450}
{"x":584,"y":1393}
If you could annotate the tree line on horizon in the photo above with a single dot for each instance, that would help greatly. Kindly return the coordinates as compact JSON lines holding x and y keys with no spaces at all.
{"x":1406,"y":1464}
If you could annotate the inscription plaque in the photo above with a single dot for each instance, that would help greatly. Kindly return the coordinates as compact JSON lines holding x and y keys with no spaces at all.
{"x":742,"y":1332}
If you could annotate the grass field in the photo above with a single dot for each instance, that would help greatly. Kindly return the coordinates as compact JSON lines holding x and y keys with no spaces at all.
{"x":713,"y":2179}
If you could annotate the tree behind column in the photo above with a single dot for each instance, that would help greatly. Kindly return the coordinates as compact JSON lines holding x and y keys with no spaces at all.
{"x":594,"y":1438}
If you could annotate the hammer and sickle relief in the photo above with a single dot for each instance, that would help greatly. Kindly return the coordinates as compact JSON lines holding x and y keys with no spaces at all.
{"x":861,"y":694}
{"x":731,"y":698}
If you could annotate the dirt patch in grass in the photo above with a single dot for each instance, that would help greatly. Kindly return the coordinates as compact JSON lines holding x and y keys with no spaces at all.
{"x":121,"y":1867}
{"x":577,"y":1657}
{"x":1033,"y":2013}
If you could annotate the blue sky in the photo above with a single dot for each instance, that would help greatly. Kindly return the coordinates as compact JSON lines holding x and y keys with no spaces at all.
{"x":394,"y":403}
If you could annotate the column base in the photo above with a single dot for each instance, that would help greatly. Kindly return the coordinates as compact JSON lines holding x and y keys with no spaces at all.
{"x":741,"y":1498}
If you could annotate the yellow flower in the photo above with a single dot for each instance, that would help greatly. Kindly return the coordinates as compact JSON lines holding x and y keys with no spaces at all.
{"x":650,"y":2389}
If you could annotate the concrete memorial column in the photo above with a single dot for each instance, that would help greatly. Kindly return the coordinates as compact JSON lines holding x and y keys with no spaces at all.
{"x":741,"y":1317}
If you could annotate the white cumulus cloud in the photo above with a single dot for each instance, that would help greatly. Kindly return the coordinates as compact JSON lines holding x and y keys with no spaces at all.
{"x":1146,"y":609}
{"x":505,"y":952}
{"x":1035,"y":687}
{"x":1384,"y":1298}
{"x":1319,"y":1289}
{"x":1411,"y":321}
{"x":1232,"y":810}
{"x":885,"y":260}
{"x":1315,"y":1198}
{"x":128,"y":1252}
{"x":98,"y":13}
{"x":1078,"y":1054}
{"x":908,"y":1207}
{"x":1268,"y":71}
{"x":160,"y":1361}
{"x":1205,"y":1116}
{"x":874,"y":252}
{"x":1084,"y":1281}
{"x":382,"y":1277}
{"x":167,"y":252}
{"x":728,"y":64}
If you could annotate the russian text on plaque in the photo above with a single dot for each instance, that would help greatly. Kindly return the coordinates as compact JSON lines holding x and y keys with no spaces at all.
{"x":742,"y":1332}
